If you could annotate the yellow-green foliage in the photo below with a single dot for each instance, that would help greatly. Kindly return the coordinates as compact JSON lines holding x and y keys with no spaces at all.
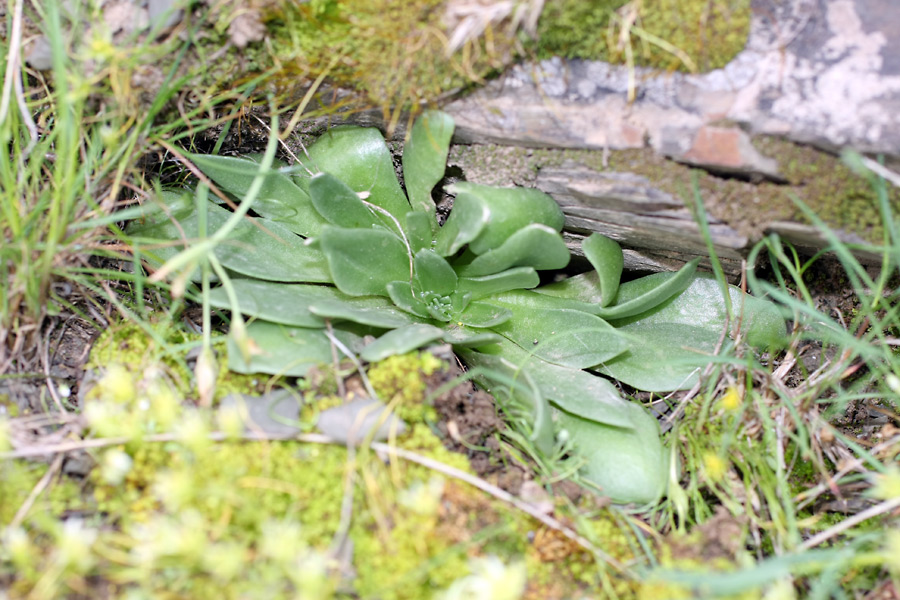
{"x":128,"y":346}
{"x":194,"y":518}
{"x":710,"y":33}
{"x":377,"y":46}
{"x":18,"y":478}
{"x":400,"y":380}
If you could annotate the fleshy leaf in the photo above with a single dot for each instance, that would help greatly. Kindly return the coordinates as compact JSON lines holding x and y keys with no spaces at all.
{"x":257,"y":248}
{"x":673,"y":339}
{"x":434,"y":274}
{"x":425,"y":158}
{"x":482,"y":314}
{"x":402,"y":295}
{"x":565,"y":337}
{"x":359,"y":157}
{"x":374,"y":311}
{"x":536,"y":246}
{"x":511,"y":279}
{"x":402,"y":340}
{"x":285,"y":303}
{"x":287,"y":351}
{"x":364,"y":261}
{"x":308,"y":305}
{"x":511,"y":209}
{"x":661,"y":357}
{"x":465,"y":337}
{"x":465,"y":223}
{"x":701,"y":304}
{"x":606,"y":257}
{"x":531,"y":299}
{"x":629,"y":465}
{"x":573,"y":390}
{"x":338,"y":204}
{"x":584,"y":287}
{"x":280,"y":199}
{"x":668,"y":285}
{"x":418,"y":229}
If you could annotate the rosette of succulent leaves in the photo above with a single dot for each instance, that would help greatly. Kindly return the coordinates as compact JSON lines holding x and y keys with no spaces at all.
{"x":336,"y":243}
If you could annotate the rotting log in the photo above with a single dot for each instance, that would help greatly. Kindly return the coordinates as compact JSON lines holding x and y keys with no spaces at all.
{"x":656,"y":230}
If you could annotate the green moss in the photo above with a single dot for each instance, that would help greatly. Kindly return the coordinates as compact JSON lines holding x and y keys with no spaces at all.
{"x":376,"y":47}
{"x":17,"y":480}
{"x":709,"y":33}
{"x":401,"y":379}
{"x":128,"y":345}
{"x":240,"y":519}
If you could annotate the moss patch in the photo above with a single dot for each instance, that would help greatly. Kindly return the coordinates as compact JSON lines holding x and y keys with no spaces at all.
{"x":709,"y":33}
{"x":193,"y":518}
{"x":377,"y":47}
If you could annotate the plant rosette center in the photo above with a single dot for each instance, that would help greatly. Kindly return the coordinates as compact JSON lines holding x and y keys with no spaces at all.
{"x":337,"y":253}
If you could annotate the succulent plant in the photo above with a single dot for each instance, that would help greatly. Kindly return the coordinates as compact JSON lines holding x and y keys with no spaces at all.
{"x":337,"y":253}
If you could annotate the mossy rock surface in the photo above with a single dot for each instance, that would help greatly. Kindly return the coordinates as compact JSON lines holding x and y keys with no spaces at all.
{"x":668,"y":34}
{"x":821,"y":180}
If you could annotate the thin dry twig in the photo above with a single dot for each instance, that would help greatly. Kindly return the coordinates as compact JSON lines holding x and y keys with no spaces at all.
{"x":878,"y":509}
{"x":36,"y":491}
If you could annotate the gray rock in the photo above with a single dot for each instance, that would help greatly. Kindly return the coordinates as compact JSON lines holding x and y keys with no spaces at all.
{"x":274,"y":414}
{"x":824,"y":72}
{"x":354,"y":421}
{"x":39,"y":56}
{"x":163,"y":14}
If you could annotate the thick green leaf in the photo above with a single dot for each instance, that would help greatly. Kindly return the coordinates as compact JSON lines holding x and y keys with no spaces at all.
{"x":584,"y":287}
{"x":257,"y":248}
{"x":511,"y":209}
{"x":701,"y":304}
{"x":606,"y":257}
{"x":536,"y":246}
{"x":531,"y":299}
{"x":573,"y":390}
{"x":434,"y":274}
{"x":661,"y":357}
{"x":156,"y":224}
{"x":308,"y":305}
{"x":629,"y":465}
{"x":379,"y":312}
{"x":402,"y":340}
{"x":402,"y":296}
{"x":285,"y":303}
{"x":359,"y":157}
{"x":465,"y":223}
{"x":672,"y":341}
{"x":466,"y":337}
{"x":483,"y":314}
{"x":667,"y":286}
{"x":419,"y":230}
{"x":511,"y":279}
{"x":288,"y":351}
{"x":566,"y":337}
{"x":425,"y":158}
{"x":364,"y":261}
{"x":338,"y":204}
{"x":280,"y":199}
